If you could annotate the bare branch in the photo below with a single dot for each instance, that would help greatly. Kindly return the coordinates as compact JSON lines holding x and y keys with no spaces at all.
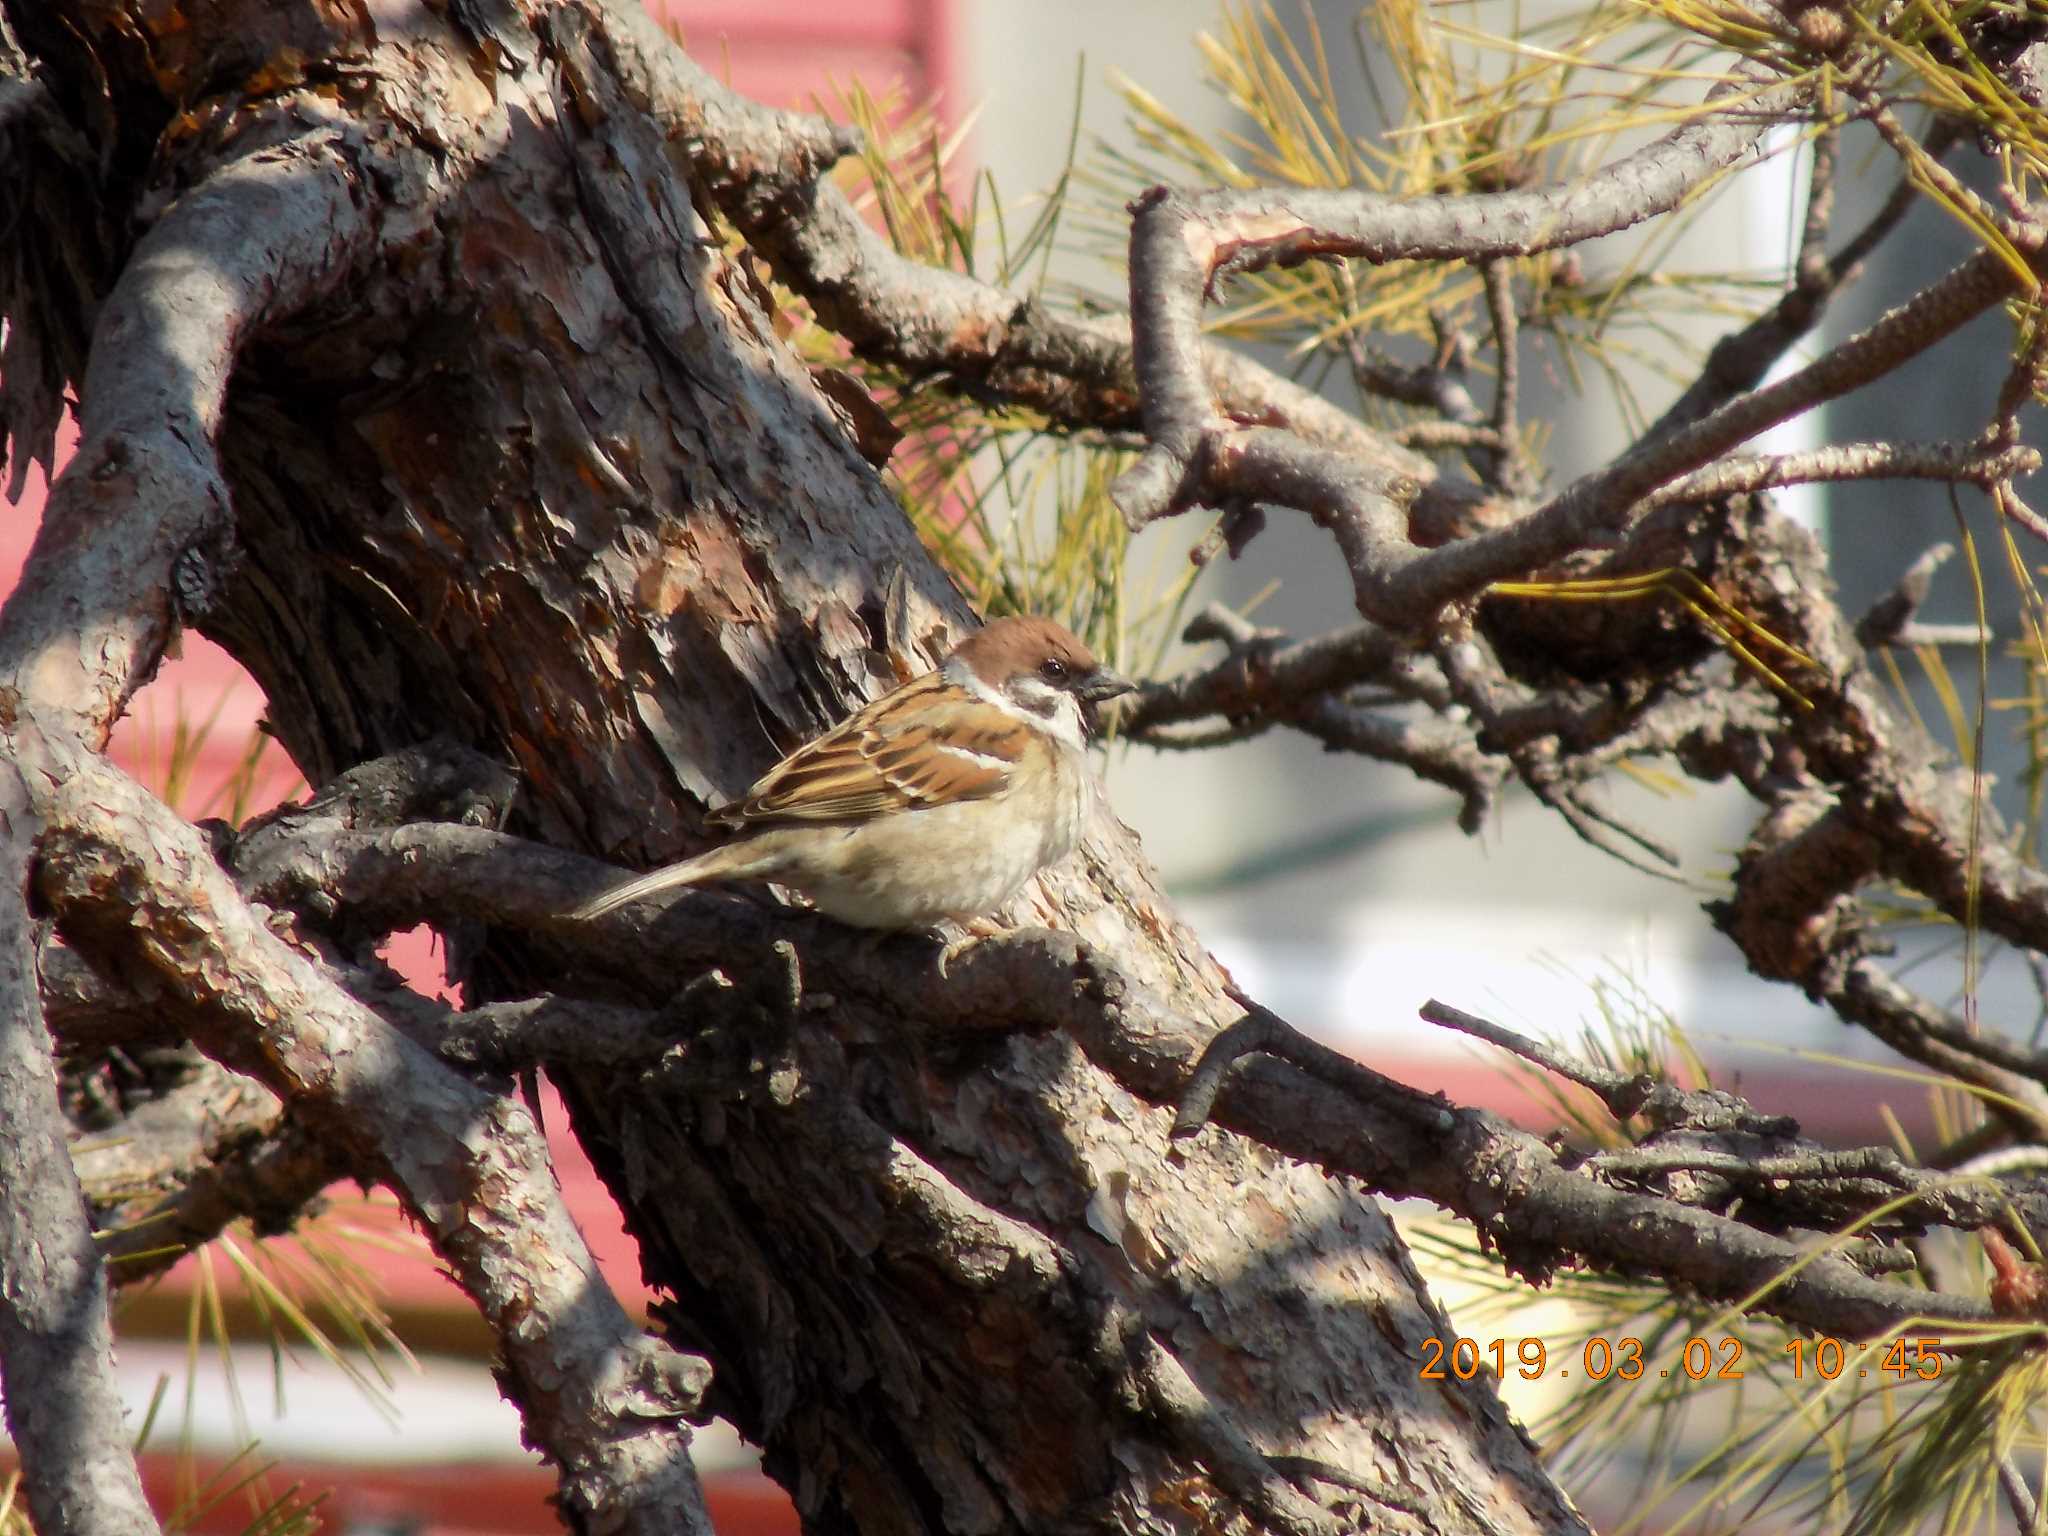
{"x":764,"y":170}
{"x":138,"y":521}
{"x":1440,"y":751}
{"x":1261,"y":674}
{"x":1602,"y":829}
{"x":1500,"y":305}
{"x":1710,"y":1131}
{"x":86,"y":1014}
{"x":56,"y":1345}
{"x":1741,"y":360}
{"x":1399,"y":1141}
{"x":1199,"y":458}
{"x":1599,"y":505}
{"x":507,"y":1037}
{"x":131,"y":530}
{"x":174,"y":1172}
{"x":1307,"y":686}
{"x":1889,"y":615}
{"x":1181,"y":244}
{"x":2011,"y":1087}
{"x":605,"y":1400}
{"x":1512,"y":471}
{"x":1432,"y":386}
{"x":1945,"y":184}
{"x":1623,"y":1096}
{"x":1958,"y":463}
{"x":1404,"y":1144}
{"x":1810,"y":268}
{"x":1431,"y":435}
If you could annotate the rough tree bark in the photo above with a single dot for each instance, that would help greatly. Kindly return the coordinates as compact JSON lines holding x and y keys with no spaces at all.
{"x":428,"y":391}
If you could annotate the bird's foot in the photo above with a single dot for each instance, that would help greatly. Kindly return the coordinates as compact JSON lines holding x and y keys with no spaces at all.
{"x":970,"y":932}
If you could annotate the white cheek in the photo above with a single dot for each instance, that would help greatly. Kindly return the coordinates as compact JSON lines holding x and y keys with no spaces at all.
{"x":1027,"y":698}
{"x":1066,"y":723}
{"x":1053,"y":708}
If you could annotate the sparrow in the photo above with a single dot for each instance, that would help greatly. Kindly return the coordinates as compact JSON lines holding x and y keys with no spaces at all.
{"x":938,"y":800}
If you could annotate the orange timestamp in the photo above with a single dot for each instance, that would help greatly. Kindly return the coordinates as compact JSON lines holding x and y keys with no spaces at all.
{"x":1698,"y":1359}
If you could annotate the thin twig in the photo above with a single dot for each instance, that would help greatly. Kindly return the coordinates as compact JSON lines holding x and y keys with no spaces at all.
{"x":1513,"y":473}
{"x":1262,"y":1032}
{"x":1611,"y":1088}
{"x":1811,"y":267}
{"x":2019,"y":1497}
{"x":1888,"y":617}
{"x":1741,"y":360}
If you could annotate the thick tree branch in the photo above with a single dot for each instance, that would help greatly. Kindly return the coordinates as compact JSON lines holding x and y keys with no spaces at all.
{"x":175,"y":1171}
{"x":1399,"y":1142}
{"x":86,"y":1014}
{"x":514,"y":1036}
{"x":56,"y":1347}
{"x":1513,"y":1186}
{"x":134,"y":528}
{"x":137,"y":525}
{"x":1510,"y":1184}
{"x":605,"y":1401}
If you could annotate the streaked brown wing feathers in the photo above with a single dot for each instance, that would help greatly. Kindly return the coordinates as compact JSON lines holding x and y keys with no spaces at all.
{"x":921,"y":746}
{"x":953,"y":756}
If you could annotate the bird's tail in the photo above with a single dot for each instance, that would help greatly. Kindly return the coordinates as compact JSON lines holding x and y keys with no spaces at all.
{"x":734,"y":861}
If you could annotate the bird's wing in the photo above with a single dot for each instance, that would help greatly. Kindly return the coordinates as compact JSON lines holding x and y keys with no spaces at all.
{"x":929,"y":743}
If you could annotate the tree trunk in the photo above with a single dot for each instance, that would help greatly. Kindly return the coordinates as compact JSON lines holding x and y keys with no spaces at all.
{"x":533,"y":469}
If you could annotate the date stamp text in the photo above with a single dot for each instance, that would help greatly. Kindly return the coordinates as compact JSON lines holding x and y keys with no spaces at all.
{"x":1697,"y":1359}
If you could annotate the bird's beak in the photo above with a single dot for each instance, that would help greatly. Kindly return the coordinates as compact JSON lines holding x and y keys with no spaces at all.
{"x":1104,"y":684}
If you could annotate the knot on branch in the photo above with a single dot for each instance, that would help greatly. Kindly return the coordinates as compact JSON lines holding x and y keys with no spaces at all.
{"x":276,"y":858}
{"x":652,"y":1380}
{"x":1792,"y":913}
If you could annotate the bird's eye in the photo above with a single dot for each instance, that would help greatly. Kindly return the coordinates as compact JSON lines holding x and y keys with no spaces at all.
{"x":1053,"y":670}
